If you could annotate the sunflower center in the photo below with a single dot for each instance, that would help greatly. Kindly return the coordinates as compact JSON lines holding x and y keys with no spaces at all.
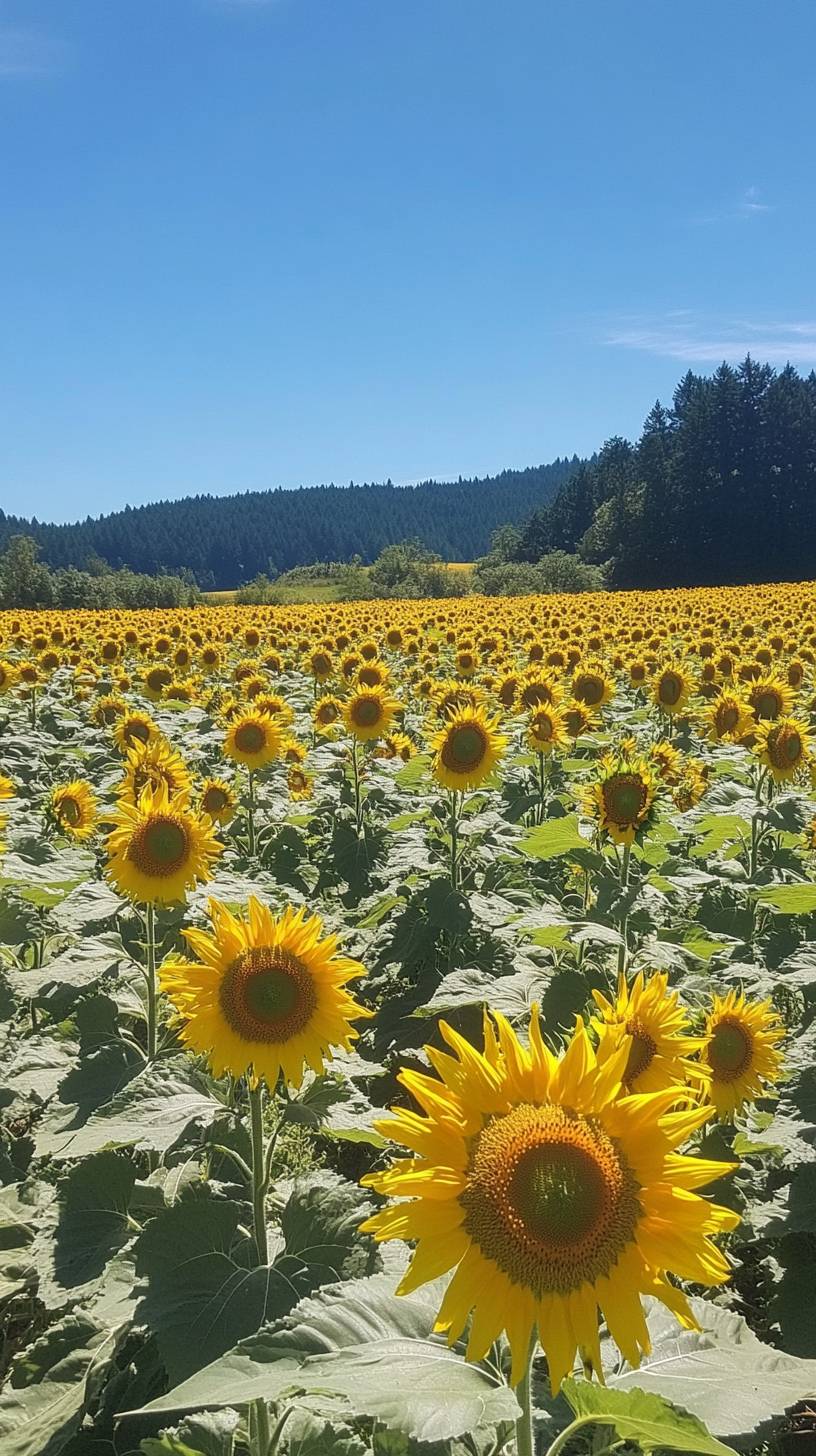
{"x":267,"y":995}
{"x":136,"y":732}
{"x":727,"y":719}
{"x":366,"y":712}
{"x":159,"y":847}
{"x":729,"y":1051}
{"x":670,"y":689}
{"x":624,"y":798}
{"x":464,"y":748}
{"x":69,"y":811}
{"x":250,"y":738}
{"x":215,"y":800}
{"x":641,"y":1052}
{"x":589,"y":689}
{"x":767,"y":705}
{"x":784,"y":747}
{"x":549,"y":1198}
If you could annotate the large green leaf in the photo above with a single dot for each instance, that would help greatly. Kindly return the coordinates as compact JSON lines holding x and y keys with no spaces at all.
{"x":790,"y":899}
{"x":642,"y":1417}
{"x":211,"y":1433}
{"x":552,"y":838}
{"x":93,"y":1220}
{"x":724,"y":1375}
{"x":150,"y":1113}
{"x":42,"y":1407}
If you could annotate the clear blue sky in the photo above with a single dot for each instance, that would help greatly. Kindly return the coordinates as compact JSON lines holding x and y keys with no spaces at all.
{"x":247,"y":243}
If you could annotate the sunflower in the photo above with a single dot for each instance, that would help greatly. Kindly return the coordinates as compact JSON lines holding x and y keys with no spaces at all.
{"x":650,"y":1020}
{"x":671,"y":687}
{"x":151,"y":764}
{"x":369,"y":713}
{"x":396,"y":745}
{"x":253,"y":739}
{"x":691,"y":785}
{"x":156,"y":682}
{"x":592,"y":687}
{"x":546,"y":730}
{"x":299,"y":782}
{"x":783,"y":747}
{"x":160,"y":848}
{"x":266,"y":994}
{"x":623,"y":797}
{"x":8,"y":676}
{"x":739,"y":1052}
{"x":549,"y":1194}
{"x":217,"y":800}
{"x":326,"y":714}
{"x":538,"y":689}
{"x":106,"y":710}
{"x":132,"y":729}
{"x":72,"y":807}
{"x":467,"y":749}
{"x":770,"y":698}
{"x":727,"y":718}
{"x":579,"y":719}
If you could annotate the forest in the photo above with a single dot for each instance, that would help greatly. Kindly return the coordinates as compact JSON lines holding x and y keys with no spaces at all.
{"x":227,"y":540}
{"x":719,"y":489}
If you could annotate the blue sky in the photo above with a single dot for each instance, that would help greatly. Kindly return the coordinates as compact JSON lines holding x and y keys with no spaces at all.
{"x":247,"y":243}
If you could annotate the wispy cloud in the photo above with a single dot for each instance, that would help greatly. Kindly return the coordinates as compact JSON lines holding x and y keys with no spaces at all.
{"x":698,"y":340}
{"x":29,"y":52}
{"x":750,"y":204}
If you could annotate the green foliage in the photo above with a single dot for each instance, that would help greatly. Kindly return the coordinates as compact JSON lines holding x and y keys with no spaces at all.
{"x":556,"y":571}
{"x":27,"y":582}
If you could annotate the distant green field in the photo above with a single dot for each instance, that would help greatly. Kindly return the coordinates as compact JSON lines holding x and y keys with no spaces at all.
{"x":318,"y":589}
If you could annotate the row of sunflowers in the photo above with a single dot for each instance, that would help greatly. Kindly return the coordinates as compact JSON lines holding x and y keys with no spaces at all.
{"x":408,"y":1027}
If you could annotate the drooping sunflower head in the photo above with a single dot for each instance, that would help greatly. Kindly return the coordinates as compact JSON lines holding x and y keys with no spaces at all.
{"x":265,"y":995}
{"x":739,"y":1052}
{"x":368,"y":713}
{"x":770,"y":698}
{"x":546,"y":731}
{"x":107,"y":710}
{"x":593,"y":687}
{"x":467,"y":749}
{"x":622,"y":798}
{"x":649,"y":1018}
{"x":72,"y":809}
{"x":133,"y":729}
{"x":160,"y":848}
{"x":549,"y":1194}
{"x":396,"y":745}
{"x":299,"y":782}
{"x":727,"y":718}
{"x":671,"y":688}
{"x":153,"y":763}
{"x":253,"y":739}
{"x":783,"y":747}
{"x":326,"y":715}
{"x":217,"y":800}
{"x":667,"y":761}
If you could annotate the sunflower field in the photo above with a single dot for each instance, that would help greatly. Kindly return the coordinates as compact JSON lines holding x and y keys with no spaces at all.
{"x":408,"y":1027}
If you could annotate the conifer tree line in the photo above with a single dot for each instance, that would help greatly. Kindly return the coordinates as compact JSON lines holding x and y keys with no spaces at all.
{"x":720,"y":488}
{"x":227,"y":540}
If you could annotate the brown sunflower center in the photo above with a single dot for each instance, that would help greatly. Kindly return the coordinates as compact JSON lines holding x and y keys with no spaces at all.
{"x":641,"y":1052}
{"x":464,"y":748}
{"x":669,"y":689}
{"x":533,"y":694}
{"x":624,"y":798}
{"x":766,"y":704}
{"x":729,"y":1051}
{"x":267,"y":995}
{"x":549,"y":1198}
{"x":784,"y":747}
{"x":366,"y":712}
{"x":250,"y":738}
{"x":160,"y":847}
{"x":589,"y":688}
{"x":69,"y":811}
{"x":214,"y":800}
{"x":135,"y":732}
{"x":727,"y":718}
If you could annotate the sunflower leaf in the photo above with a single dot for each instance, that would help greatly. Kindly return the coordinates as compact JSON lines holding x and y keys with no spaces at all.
{"x":641,"y":1416}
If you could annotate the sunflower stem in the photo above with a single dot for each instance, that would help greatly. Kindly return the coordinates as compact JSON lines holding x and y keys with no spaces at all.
{"x":152,"y":1008}
{"x":251,"y":815}
{"x":624,"y":884}
{"x":358,"y":803}
{"x":454,"y":839}
{"x":260,"y":1431}
{"x":525,"y":1436}
{"x":542,"y":786}
{"x":256,"y":1128}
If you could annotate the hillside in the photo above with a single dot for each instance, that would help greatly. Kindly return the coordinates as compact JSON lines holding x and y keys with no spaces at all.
{"x":225,"y":540}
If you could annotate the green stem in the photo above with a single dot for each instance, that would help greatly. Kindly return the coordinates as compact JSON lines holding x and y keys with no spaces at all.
{"x":525,"y":1438}
{"x":152,"y":1007}
{"x":251,"y":815}
{"x":454,"y":839}
{"x":260,"y":1431}
{"x":542,"y":786}
{"x":564,"y":1437}
{"x":624,"y":882}
{"x":258,"y":1172}
{"x":358,"y":802}
{"x":33,"y":707}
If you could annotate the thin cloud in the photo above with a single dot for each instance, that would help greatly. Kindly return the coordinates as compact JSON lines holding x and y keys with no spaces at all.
{"x":696,"y":340}
{"x":750,"y":204}
{"x":26,"y":52}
